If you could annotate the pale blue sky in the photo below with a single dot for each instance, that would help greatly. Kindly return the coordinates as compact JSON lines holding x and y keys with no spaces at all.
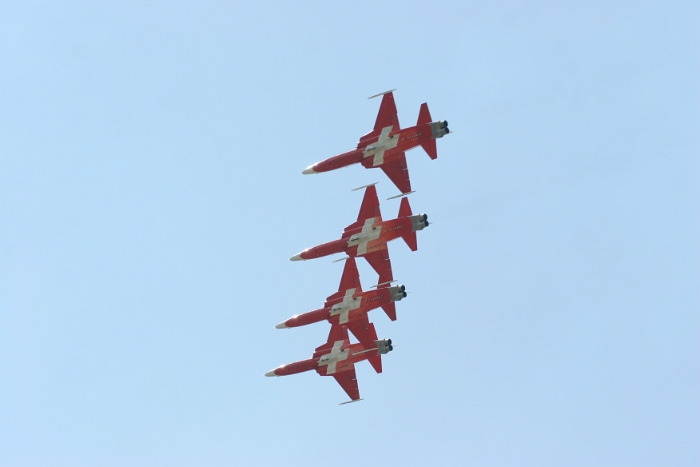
{"x":151,"y":196}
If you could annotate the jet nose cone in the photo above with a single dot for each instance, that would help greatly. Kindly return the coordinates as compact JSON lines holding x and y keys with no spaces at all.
{"x":270,"y":373}
{"x":309,"y":170}
{"x":282,"y":325}
{"x":296,"y":257}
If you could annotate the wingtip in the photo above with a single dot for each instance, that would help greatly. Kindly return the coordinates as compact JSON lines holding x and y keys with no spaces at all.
{"x":381,"y":94}
{"x":364,"y":186}
{"x":401,"y":195}
{"x":350,"y":402}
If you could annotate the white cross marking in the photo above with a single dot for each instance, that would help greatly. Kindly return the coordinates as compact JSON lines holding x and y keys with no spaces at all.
{"x":348,"y":304}
{"x":383,"y":143}
{"x":332,"y":359}
{"x":368,"y":233}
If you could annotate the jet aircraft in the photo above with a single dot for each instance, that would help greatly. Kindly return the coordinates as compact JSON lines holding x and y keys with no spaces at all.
{"x":368,"y":236}
{"x":385,"y":146}
{"x":350,"y":305}
{"x":337,"y":358}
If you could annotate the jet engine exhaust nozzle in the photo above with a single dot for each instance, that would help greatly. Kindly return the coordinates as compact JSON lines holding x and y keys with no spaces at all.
{"x":384,"y":346}
{"x":439,"y":129}
{"x":398,"y":292}
{"x":419,"y":222}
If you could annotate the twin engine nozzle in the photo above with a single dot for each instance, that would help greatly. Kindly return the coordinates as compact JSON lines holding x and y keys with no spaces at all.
{"x":397,"y":292}
{"x":439,"y":129}
{"x":384,"y":346}
{"x":419,"y":222}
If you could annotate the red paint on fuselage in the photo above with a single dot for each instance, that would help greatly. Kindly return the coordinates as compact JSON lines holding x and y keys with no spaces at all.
{"x":296,"y":367}
{"x":324,"y":249}
{"x":312,"y":363}
{"x":369,"y":301}
{"x":339,"y":161}
{"x":409,"y":138}
{"x":391,"y":230}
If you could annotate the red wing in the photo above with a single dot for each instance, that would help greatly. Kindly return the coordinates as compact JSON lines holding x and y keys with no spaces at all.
{"x":338,"y":333}
{"x":349,"y":280}
{"x":387,"y":113}
{"x":380,"y":262}
{"x":348,"y":381}
{"x":364,"y":331}
{"x":369,"y":208}
{"x":397,"y":171}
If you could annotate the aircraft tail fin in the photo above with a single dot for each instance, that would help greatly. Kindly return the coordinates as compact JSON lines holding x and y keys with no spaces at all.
{"x":405,"y":208}
{"x":428,"y":146}
{"x":424,"y":114}
{"x":390,"y":310}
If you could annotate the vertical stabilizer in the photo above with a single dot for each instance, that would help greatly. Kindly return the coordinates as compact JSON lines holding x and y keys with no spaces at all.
{"x":424,"y":114}
{"x":405,"y":208}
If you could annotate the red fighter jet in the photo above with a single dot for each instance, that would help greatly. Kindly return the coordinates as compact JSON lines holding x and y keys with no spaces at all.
{"x":369,"y":235}
{"x":386,"y":145}
{"x":350,"y":305}
{"x":337,"y":358}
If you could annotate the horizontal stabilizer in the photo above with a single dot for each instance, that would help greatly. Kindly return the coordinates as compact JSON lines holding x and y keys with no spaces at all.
{"x":376,"y":362}
{"x":411,"y":241}
{"x":431,"y":148}
{"x":390,"y":310}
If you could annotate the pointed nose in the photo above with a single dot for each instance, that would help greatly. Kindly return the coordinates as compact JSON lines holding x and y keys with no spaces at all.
{"x":296,"y":257}
{"x":309,"y":170}
{"x":271,"y":373}
{"x":282,"y":325}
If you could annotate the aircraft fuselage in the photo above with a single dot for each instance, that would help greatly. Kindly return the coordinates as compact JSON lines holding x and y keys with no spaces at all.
{"x":373,"y":150}
{"x":358,"y":241}
{"x":341,"y":311}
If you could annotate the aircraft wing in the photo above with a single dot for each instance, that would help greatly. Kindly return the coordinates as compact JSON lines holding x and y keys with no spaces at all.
{"x":369,"y":208}
{"x":380,"y":262}
{"x":397,"y":171}
{"x":349,"y":280}
{"x":348,"y":381}
{"x":337,"y":333}
{"x":387,"y":114}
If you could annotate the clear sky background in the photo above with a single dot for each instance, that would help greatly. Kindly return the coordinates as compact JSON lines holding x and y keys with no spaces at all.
{"x":151,"y":196}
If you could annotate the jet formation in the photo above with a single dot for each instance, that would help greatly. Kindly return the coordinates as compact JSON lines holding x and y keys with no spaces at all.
{"x":348,"y":309}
